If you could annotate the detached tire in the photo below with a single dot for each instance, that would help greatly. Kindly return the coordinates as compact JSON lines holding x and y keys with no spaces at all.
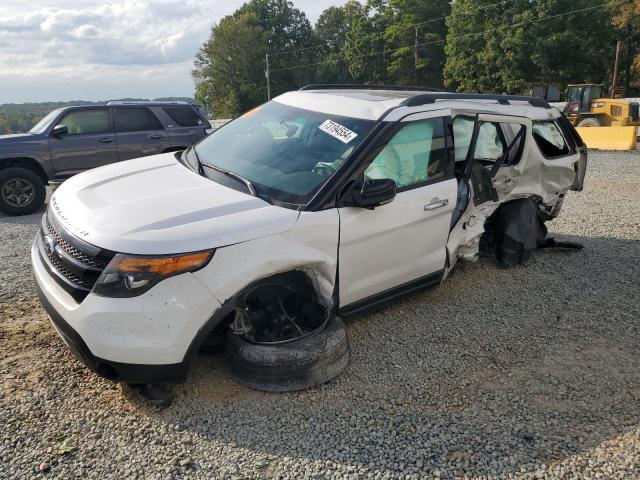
{"x":296,"y":365}
{"x":22,"y":191}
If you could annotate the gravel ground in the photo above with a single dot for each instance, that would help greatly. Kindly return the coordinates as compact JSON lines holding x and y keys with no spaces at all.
{"x":531,"y":372}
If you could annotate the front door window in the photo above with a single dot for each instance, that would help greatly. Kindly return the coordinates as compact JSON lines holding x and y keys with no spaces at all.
{"x":84,"y":122}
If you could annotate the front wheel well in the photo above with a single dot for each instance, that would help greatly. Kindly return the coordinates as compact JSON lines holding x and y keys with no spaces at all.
{"x":265,"y":289}
{"x":25,"y":162}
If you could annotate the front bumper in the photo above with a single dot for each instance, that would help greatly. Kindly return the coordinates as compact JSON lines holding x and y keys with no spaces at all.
{"x":145,"y":339}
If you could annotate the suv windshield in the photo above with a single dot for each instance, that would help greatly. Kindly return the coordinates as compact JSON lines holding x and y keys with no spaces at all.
{"x":43,"y":124}
{"x":286,"y":153}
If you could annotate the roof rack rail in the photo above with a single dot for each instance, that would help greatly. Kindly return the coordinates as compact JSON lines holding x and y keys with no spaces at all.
{"x":425,"y":98}
{"x":364,"y":86}
{"x":149,"y":102}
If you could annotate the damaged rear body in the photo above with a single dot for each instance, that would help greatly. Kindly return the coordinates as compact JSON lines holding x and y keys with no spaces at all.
{"x":547,"y":161}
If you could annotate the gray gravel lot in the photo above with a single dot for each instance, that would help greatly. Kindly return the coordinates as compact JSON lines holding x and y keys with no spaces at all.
{"x":532,"y":372}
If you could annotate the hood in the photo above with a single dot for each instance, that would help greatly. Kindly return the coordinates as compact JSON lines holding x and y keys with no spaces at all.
{"x":155,"y":205}
{"x":18,"y":139}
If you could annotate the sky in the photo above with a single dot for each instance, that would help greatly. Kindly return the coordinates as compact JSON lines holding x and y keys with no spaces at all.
{"x":54,"y":50}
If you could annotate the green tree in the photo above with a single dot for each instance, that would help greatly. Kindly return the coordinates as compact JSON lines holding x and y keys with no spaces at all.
{"x":331,"y":30}
{"x":229,"y":68}
{"x":399,"y":41}
{"x":228,"y":73}
{"x":513,"y":45}
{"x":287,"y":29}
{"x":626,"y":17}
{"x":364,"y":43}
{"x":416,"y":33}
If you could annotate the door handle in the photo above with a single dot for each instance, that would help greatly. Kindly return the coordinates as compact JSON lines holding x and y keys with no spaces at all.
{"x":436,"y":203}
{"x":106,"y":140}
{"x":156,"y":136}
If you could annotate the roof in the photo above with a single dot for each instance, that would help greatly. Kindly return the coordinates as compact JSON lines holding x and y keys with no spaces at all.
{"x":141,"y":103}
{"x":375,"y":103}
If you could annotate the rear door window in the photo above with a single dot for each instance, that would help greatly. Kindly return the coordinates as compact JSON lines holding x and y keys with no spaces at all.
{"x":136,"y":120}
{"x":184,"y":116}
{"x":490,"y":145}
{"x":550,"y":140}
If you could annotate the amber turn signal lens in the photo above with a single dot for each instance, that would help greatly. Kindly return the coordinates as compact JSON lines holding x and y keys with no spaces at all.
{"x":162,"y":265}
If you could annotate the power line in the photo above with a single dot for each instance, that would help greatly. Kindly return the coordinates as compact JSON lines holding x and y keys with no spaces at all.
{"x":383,"y":52}
{"x":405,"y":27}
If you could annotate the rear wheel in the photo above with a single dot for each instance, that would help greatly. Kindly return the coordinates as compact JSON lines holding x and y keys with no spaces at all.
{"x":589,"y":122}
{"x":22,"y":191}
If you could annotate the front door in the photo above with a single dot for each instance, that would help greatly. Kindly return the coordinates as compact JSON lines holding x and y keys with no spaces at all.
{"x":401,"y":244}
{"x":90,"y":142}
{"x":139,"y":133}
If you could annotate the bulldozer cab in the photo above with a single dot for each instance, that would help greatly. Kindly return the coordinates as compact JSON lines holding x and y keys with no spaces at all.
{"x":580,"y":96}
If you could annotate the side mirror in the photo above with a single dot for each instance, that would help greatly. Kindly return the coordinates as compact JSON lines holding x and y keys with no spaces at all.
{"x":60,"y":130}
{"x":374,"y":192}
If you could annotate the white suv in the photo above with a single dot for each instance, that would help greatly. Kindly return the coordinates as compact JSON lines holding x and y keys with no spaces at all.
{"x":322,"y":203}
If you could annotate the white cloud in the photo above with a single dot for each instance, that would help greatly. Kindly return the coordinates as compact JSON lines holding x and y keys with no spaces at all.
{"x":94,"y":49}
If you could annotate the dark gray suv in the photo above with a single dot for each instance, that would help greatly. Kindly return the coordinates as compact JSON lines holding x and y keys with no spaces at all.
{"x":73,"y":139}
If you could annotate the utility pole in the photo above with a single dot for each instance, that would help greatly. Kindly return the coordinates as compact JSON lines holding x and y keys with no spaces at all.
{"x":614,"y":85}
{"x":415,"y":54}
{"x":268,"y":76}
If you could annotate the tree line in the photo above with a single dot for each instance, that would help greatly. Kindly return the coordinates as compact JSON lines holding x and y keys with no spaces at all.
{"x":486,"y":46}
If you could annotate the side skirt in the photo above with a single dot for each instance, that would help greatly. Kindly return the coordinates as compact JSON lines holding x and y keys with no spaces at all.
{"x":383,"y":299}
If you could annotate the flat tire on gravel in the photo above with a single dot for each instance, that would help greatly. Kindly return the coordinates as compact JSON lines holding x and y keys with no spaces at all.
{"x":22,"y":191}
{"x":290,"y":366}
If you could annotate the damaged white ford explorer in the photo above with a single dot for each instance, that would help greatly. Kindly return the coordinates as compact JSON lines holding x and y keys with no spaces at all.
{"x":320,"y":204}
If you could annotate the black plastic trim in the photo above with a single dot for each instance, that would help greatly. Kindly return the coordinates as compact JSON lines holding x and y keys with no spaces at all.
{"x":361,"y":86}
{"x":426,"y":98}
{"x":383,"y":299}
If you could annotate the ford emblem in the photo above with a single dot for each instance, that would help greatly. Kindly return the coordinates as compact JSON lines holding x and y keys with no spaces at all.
{"x":49,"y":244}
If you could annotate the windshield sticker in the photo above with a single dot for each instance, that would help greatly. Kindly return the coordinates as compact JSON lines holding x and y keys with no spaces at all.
{"x":337,"y":131}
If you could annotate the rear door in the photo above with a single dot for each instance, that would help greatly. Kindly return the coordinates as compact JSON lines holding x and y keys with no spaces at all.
{"x":139,"y":133}
{"x":488,"y":149}
{"x":90,"y":141}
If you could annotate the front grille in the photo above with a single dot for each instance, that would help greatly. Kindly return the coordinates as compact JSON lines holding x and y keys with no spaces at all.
{"x":73,"y":263}
{"x":71,"y":250}
{"x":69,"y":274}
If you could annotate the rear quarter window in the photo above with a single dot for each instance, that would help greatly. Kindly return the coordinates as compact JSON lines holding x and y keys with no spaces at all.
{"x":550,"y":140}
{"x":184,"y":116}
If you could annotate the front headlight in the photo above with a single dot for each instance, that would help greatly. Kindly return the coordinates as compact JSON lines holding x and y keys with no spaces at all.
{"x":132,"y":275}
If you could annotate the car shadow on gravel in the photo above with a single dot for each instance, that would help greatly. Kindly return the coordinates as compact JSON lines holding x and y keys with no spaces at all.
{"x":496,"y":372}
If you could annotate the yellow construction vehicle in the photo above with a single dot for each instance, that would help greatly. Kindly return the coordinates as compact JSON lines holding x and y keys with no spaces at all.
{"x":588,"y":107}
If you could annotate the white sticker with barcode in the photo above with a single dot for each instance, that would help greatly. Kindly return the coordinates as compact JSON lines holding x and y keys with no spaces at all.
{"x":337,"y":131}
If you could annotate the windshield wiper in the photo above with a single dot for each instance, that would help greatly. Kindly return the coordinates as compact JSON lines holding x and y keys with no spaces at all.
{"x":235,"y":176}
